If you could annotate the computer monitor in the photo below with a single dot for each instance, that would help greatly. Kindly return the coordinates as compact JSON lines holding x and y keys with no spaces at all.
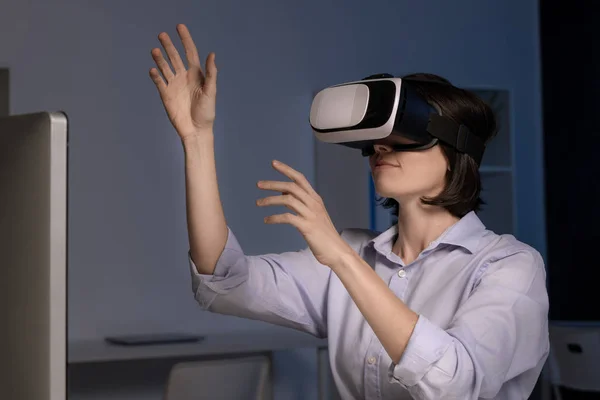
{"x":33,"y":256}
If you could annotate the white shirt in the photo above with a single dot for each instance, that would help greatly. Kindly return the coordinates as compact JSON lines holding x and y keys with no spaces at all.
{"x":482,"y":302}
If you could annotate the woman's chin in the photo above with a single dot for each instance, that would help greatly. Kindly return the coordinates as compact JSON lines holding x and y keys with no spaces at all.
{"x":387,"y":192}
{"x":400,"y":188}
{"x":388,"y":186}
{"x":391,"y":191}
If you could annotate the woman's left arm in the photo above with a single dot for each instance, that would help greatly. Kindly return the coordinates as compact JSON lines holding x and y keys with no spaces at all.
{"x":501,"y":331}
{"x":391,"y":320}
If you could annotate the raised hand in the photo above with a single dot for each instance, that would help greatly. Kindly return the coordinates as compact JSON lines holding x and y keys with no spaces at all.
{"x":188,"y":95}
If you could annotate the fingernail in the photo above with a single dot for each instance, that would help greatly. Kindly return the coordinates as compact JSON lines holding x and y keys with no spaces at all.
{"x":275,"y":162}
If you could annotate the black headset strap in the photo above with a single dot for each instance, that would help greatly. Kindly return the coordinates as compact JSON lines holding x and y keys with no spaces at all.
{"x":457,"y":136}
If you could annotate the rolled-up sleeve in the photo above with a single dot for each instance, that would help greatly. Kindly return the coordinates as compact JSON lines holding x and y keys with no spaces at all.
{"x":287,"y":289}
{"x":497,"y":334}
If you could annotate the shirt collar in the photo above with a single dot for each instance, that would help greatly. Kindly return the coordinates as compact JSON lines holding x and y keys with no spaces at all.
{"x":465,"y":233}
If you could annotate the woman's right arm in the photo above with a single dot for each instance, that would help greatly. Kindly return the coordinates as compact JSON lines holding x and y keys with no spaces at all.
{"x":189,"y":97}
{"x":288,"y":289}
{"x":207,"y":229}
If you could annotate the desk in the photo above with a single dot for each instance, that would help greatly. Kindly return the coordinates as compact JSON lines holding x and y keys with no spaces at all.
{"x":81,"y":352}
{"x":96,"y":364}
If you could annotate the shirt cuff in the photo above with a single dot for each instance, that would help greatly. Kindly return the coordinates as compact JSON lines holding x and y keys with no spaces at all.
{"x":427,"y":345}
{"x":230,"y":271}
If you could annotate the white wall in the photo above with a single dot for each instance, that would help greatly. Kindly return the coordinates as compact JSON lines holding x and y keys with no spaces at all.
{"x":128,"y":265}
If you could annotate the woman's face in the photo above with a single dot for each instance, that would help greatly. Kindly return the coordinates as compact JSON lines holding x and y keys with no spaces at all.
{"x":407,"y":175}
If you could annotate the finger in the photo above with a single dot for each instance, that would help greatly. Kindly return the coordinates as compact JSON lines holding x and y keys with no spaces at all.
{"x":162,"y":64}
{"x":286,"y":187}
{"x":287,"y":200}
{"x":191,"y":52}
{"x":158,"y":80}
{"x":287,"y":218}
{"x":296,"y":177}
{"x":210,"y":85}
{"x":172,"y":52}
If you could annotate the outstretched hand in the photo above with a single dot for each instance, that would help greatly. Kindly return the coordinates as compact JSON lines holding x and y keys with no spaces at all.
{"x":310,"y":218}
{"x":188,"y":95}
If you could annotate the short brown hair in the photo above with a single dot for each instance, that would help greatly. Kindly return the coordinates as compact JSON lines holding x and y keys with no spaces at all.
{"x":461,"y":193}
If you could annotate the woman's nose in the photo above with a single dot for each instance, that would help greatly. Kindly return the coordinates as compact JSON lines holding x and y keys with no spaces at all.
{"x":382,"y":148}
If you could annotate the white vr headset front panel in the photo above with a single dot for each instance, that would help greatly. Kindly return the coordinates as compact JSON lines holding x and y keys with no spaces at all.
{"x":340,"y":106}
{"x":345,"y":105}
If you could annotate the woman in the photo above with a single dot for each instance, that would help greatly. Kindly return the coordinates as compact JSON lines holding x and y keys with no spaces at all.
{"x":436,"y":307}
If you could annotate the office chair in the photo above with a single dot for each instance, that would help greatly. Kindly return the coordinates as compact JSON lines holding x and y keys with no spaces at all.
{"x":574,"y":362}
{"x":240,"y":378}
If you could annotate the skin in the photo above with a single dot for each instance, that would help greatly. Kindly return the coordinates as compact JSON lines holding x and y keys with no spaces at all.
{"x":407,"y":177}
{"x":189,"y":97}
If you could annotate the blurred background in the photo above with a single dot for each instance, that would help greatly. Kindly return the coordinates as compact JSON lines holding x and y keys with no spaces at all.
{"x":535,"y":62}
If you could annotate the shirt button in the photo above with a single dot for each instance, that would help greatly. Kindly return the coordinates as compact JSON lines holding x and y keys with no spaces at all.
{"x":371,"y":360}
{"x":402,"y":273}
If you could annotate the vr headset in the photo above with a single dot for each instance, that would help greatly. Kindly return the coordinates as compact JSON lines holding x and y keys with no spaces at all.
{"x":357,"y":114}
